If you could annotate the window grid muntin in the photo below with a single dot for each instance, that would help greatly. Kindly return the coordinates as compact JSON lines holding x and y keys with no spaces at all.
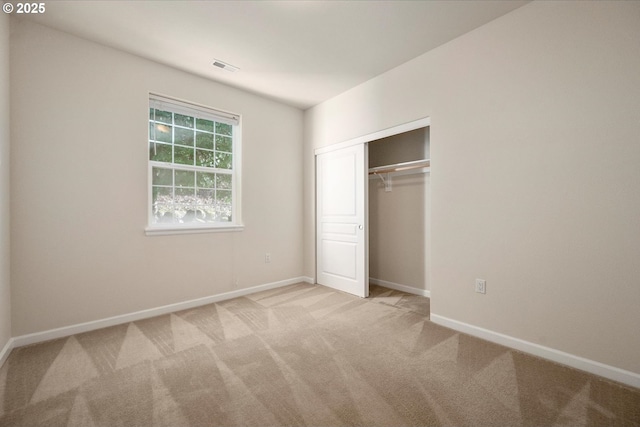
{"x":220,"y":195}
{"x":226,"y":137}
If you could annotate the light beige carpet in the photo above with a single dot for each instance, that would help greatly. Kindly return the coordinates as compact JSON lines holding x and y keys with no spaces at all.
{"x":295,"y":356}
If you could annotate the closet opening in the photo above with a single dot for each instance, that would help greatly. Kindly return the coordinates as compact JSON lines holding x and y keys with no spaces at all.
{"x":399,"y":207}
{"x":373,"y":208}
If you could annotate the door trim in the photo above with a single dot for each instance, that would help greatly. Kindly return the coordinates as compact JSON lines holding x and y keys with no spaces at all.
{"x":395,"y":130}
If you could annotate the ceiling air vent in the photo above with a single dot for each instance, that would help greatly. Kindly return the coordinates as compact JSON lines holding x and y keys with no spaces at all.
{"x":224,"y":66}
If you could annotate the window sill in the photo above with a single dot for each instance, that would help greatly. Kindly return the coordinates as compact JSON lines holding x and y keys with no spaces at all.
{"x":169,"y":230}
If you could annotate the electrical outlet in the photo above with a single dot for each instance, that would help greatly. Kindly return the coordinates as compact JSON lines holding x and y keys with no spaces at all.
{"x":267,"y":258}
{"x":481,"y":286}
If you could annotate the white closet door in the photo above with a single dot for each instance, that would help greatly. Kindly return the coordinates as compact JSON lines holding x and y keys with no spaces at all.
{"x":341,"y":220}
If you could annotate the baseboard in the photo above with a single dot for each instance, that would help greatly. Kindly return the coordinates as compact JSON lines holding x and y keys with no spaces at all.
{"x":308,"y":279}
{"x":399,"y":287}
{"x":66,"y":331}
{"x":4,"y":353}
{"x":610,"y":372}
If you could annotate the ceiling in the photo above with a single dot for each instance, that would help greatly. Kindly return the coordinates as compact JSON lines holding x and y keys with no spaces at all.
{"x":297,"y":52}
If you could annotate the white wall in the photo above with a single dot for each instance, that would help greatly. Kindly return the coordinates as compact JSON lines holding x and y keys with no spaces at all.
{"x":399,"y":236}
{"x":79,"y":185}
{"x":535,"y":179}
{"x":5,"y":291}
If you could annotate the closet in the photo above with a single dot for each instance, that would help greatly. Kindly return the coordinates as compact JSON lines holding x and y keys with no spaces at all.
{"x":399,"y":211}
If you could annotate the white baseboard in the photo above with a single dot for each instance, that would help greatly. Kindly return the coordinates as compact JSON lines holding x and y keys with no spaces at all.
{"x":308,"y":279}
{"x":591,"y":366}
{"x":4,"y":353}
{"x":399,"y":287}
{"x":66,"y":331}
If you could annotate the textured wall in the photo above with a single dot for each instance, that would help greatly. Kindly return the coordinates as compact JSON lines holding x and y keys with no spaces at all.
{"x":79,"y":181}
{"x":535,"y":180}
{"x":5,"y":276}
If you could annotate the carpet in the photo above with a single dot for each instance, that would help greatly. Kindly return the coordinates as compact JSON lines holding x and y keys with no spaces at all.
{"x":301,"y":355}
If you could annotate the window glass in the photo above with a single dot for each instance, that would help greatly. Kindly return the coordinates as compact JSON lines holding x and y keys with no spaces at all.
{"x":191,"y":161}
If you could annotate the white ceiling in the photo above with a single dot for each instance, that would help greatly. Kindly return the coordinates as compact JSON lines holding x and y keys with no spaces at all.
{"x":298,"y":52}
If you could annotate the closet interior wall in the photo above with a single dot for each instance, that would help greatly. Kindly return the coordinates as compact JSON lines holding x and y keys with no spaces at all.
{"x":399,"y":233}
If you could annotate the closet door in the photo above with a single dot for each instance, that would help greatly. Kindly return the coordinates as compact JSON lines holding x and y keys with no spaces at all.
{"x":341,"y":220}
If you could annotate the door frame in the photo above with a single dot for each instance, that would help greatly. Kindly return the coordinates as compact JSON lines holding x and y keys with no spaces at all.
{"x":364,"y":139}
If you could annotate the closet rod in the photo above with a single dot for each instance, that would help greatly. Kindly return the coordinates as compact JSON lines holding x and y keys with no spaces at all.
{"x":416,"y":164}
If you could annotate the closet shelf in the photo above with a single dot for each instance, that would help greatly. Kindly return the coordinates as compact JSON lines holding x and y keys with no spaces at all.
{"x":398,"y":167}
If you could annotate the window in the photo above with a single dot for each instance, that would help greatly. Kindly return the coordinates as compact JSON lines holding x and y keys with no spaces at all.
{"x":193,"y":168}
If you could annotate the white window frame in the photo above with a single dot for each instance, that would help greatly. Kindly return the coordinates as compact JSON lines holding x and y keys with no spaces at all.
{"x":198,"y":111}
